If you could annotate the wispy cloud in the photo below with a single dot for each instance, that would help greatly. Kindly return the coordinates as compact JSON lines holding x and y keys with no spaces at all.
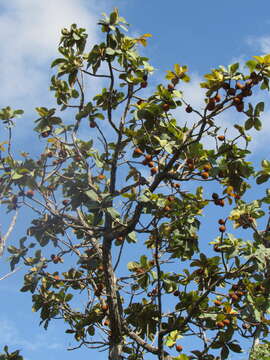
{"x":11,"y":336}
{"x":261,"y":44}
{"x":29,"y":35}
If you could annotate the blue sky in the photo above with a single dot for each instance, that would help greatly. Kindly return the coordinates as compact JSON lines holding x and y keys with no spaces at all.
{"x":201,"y":34}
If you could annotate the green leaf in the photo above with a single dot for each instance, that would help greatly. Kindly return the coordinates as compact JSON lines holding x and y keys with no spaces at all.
{"x":249,"y":124}
{"x":235,"y":347}
{"x":92,"y":195}
{"x":262,"y":179}
{"x":114,"y":214}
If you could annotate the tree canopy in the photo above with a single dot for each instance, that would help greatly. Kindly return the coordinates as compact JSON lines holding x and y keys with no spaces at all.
{"x":118,"y":196}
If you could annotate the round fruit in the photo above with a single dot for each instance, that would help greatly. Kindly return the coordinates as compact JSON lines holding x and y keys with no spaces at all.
{"x":231,"y":91}
{"x":148,"y":157}
{"x":138,"y":151}
{"x":220,"y":324}
{"x":175,"y":81}
{"x":151,"y":164}
{"x":222,"y":228}
{"x":166,"y":107}
{"x":104,"y":307}
{"x":220,"y":202}
{"x":237,"y":100}
{"x":167,"y":208}
{"x":92,"y":124}
{"x":144,"y":84}
{"x":170,"y":87}
{"x":217,"y":98}
{"x":210,"y":106}
{"x":207,"y":167}
{"x":179,"y":348}
{"x":233,"y":296}
{"x":177,"y":186}
{"x":215,"y":196}
{"x":120,"y":238}
{"x":154,"y":170}
{"x":221,"y":137}
{"x":217,"y":302}
{"x":30,"y":193}
{"x":205,"y":175}
{"x":189,"y":109}
{"x":221,"y":222}
{"x":226,"y":322}
{"x":101,"y":177}
{"x":239,"y":86}
{"x":240,"y":107}
{"x":65,"y":202}
{"x":176,"y":293}
{"x":170,"y":198}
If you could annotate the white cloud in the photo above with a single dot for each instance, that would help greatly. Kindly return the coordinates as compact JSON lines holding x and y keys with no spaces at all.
{"x":29,"y":35}
{"x":11,"y":336}
{"x":261,"y":43}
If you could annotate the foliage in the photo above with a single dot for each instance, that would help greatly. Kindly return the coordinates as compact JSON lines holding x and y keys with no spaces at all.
{"x":124,"y":173}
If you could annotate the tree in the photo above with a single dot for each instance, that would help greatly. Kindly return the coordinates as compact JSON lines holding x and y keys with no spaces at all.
{"x":122,"y":170}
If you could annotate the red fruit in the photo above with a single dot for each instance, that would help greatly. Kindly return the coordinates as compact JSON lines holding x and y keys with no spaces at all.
{"x":144,"y":84}
{"x":92,"y":124}
{"x":220,"y":202}
{"x":217,"y":98}
{"x":138,"y":151}
{"x":170,"y":198}
{"x":207,"y":167}
{"x":30,"y":193}
{"x":167,"y":208}
{"x":226,"y":322}
{"x":221,"y":137}
{"x":205,"y":175}
{"x":101,"y":177}
{"x":120,"y":238}
{"x":154,"y":170}
{"x":220,"y":324}
{"x":239,"y":86}
{"x":189,"y":109}
{"x":221,"y":222}
{"x":237,"y":100}
{"x":170,"y":87}
{"x":225,"y":86}
{"x":211,"y":106}
{"x":217,"y":302}
{"x":231,"y":91}
{"x":179,"y":348}
{"x":148,"y":157}
{"x":104,"y":307}
{"x":166,"y":107}
{"x":240,"y":107}
{"x":222,"y":228}
{"x":151,"y":164}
